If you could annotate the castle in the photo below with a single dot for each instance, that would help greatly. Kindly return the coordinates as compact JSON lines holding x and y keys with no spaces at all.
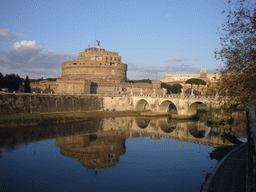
{"x":97,"y":71}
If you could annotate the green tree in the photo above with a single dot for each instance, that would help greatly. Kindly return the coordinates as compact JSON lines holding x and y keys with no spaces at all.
{"x":51,"y":79}
{"x":195,"y":81}
{"x":176,"y":88}
{"x":140,"y":81}
{"x":1,"y":81}
{"x":27,"y":87}
{"x":12,"y":82}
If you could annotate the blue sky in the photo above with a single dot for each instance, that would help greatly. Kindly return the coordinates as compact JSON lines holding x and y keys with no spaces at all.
{"x":153,"y":37}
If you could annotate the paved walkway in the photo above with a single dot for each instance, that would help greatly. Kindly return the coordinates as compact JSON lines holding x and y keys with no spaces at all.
{"x":229,"y":174}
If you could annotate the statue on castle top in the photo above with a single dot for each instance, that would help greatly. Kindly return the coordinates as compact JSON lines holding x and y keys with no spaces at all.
{"x":98,"y":43}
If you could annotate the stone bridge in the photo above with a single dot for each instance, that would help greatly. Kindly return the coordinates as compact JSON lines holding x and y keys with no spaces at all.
{"x":184,"y":105}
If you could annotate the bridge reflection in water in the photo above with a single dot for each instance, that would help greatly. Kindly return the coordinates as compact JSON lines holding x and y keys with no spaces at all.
{"x":102,"y":149}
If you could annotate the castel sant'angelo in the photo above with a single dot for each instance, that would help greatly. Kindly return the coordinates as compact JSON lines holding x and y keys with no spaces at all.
{"x":99,"y":71}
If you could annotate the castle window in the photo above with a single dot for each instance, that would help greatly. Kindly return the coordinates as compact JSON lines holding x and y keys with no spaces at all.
{"x":74,"y":63}
{"x":110,"y":58}
{"x":100,"y":63}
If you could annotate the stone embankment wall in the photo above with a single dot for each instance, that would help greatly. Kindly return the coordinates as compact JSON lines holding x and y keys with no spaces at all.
{"x":251,"y":159}
{"x":48,"y":103}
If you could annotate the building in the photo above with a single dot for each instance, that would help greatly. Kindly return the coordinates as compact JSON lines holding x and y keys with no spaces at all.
{"x":171,"y":78}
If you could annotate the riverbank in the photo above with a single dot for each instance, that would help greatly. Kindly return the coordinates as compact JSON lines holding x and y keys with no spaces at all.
{"x":229,"y":175}
{"x":53,"y":118}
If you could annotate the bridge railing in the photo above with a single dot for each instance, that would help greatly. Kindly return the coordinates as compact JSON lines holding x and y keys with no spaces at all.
{"x":175,"y":96}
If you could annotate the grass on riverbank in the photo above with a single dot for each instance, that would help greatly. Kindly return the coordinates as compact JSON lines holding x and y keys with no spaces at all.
{"x":24,"y":119}
{"x":52,"y":118}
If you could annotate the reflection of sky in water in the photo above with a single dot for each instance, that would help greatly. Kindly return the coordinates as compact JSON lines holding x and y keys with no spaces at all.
{"x":146,"y":165}
{"x":243,"y":139}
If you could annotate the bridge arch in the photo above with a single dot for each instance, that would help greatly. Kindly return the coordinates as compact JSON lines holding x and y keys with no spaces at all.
{"x":192,"y":109}
{"x":142,"y":104}
{"x":166,"y":106}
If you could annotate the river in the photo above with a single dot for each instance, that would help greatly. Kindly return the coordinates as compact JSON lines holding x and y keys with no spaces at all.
{"x":110,"y":154}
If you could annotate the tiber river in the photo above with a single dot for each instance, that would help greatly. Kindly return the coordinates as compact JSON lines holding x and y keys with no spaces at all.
{"x":111,"y":154}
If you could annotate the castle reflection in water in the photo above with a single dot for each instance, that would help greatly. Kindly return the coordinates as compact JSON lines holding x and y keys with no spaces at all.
{"x":103,"y":147}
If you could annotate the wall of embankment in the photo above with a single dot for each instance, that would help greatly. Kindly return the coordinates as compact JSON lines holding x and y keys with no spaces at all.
{"x":16,"y":103}
{"x":251,"y":158}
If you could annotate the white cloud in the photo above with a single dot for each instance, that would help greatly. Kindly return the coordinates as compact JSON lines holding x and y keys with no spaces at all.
{"x":26,"y":58}
{"x":27,"y":45}
{"x":6,"y":35}
{"x":27,"y":54}
{"x":178,"y":59}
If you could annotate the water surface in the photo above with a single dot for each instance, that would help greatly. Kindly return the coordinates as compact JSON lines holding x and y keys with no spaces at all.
{"x":112,"y":154}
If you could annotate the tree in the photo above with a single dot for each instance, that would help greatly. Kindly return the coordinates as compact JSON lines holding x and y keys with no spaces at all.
{"x":12,"y":82}
{"x":1,"y":81}
{"x":27,"y":87}
{"x":238,"y":76}
{"x":195,"y":81}
{"x":238,"y":40}
{"x":176,"y":88}
{"x":140,"y":81}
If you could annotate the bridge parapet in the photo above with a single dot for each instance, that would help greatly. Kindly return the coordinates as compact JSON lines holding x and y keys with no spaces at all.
{"x":176,"y":96}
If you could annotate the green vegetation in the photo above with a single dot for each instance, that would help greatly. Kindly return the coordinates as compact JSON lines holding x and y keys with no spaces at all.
{"x":12,"y":81}
{"x":140,"y":81}
{"x":227,"y":118}
{"x":27,"y":87}
{"x":42,"y":79}
{"x":176,"y":88}
{"x":39,"y":118}
{"x":51,"y":79}
{"x":195,"y":81}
